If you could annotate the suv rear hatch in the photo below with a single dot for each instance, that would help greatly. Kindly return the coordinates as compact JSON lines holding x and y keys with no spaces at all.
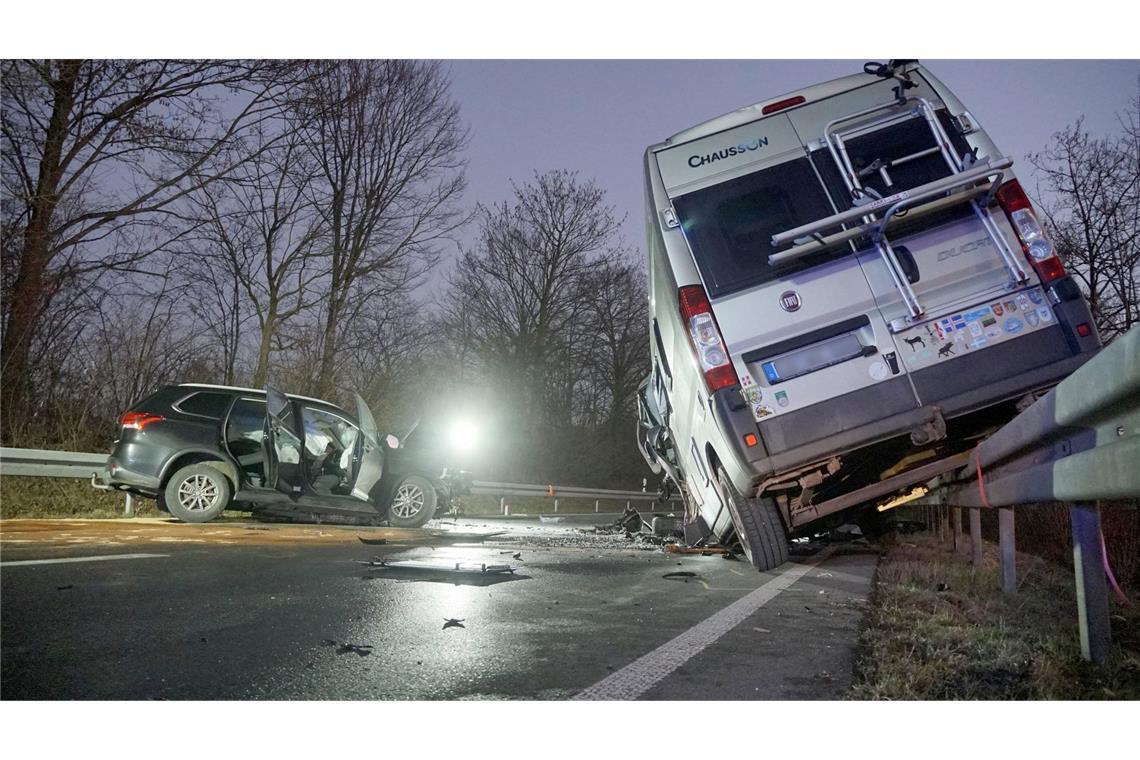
{"x":840,"y":310}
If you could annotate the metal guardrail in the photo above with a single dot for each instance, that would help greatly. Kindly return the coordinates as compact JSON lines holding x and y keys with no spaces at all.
{"x":71,"y":464}
{"x":1078,"y":444}
{"x":51,"y":464}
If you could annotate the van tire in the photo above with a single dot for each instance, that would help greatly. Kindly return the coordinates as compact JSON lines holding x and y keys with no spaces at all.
{"x":215,"y":495}
{"x":758,"y":526}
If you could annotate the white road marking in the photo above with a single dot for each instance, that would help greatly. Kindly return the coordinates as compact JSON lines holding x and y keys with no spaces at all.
{"x":647,"y":671}
{"x":62,"y":560}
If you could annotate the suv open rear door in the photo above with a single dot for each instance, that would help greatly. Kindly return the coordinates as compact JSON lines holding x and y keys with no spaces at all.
{"x":282,"y":443}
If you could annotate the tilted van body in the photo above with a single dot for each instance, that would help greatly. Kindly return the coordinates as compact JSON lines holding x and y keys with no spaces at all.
{"x":848,"y":287}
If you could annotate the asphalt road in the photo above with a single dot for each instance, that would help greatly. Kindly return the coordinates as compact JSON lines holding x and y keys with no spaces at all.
{"x":271,"y":620}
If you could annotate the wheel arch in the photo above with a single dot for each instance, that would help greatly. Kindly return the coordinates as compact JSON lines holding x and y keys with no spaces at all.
{"x":198,"y":456}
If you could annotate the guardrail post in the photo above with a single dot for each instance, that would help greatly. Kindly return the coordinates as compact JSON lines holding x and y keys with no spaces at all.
{"x":1007,"y":545}
{"x":597,"y":502}
{"x":556,"y":506}
{"x":956,"y":519}
{"x":1092,"y":589}
{"x":129,"y":509}
{"x":503,"y":504}
{"x":976,"y":537}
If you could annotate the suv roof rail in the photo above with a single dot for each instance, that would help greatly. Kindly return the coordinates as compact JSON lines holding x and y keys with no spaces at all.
{"x":250,"y":390}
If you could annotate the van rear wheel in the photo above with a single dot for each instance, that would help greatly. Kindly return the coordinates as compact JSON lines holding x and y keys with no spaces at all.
{"x":197,"y":493}
{"x":758,"y":526}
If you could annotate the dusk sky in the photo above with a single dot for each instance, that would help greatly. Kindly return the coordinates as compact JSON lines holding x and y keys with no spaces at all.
{"x":598,"y":116}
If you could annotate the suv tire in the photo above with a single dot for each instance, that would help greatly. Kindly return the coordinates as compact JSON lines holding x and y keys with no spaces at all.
{"x":414,"y":501}
{"x":758,"y":526}
{"x":197,"y":493}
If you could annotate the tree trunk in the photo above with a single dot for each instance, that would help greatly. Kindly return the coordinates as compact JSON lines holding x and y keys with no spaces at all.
{"x":326,"y":375}
{"x":29,"y":288}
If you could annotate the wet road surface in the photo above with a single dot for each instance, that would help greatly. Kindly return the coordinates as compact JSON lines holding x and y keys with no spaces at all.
{"x":269,"y":619}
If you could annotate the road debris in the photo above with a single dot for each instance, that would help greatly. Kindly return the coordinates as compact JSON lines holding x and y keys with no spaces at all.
{"x":453,"y":623}
{"x":372,"y":541}
{"x":64,"y":588}
{"x":704,"y":551}
{"x":363,"y":650}
{"x":443,"y":566}
{"x":680,"y":574}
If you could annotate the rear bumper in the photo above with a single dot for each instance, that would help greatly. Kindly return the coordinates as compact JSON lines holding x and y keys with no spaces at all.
{"x":890,"y":409}
{"x":119,"y":478}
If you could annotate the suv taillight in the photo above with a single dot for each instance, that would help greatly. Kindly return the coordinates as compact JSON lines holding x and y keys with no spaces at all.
{"x":138,"y":420}
{"x":1036,"y":244}
{"x":704,"y":334}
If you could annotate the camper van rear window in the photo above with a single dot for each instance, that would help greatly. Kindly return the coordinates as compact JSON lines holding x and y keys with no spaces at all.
{"x":730,"y":226}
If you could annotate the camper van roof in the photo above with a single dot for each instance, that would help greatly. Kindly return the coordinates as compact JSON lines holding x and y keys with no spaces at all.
{"x":753,"y":112}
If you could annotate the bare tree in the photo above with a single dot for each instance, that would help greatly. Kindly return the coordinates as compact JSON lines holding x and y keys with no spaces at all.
{"x":386,"y":139}
{"x":618,"y":326}
{"x":1094,"y":216}
{"x":520,"y":298}
{"x":521,"y":289}
{"x":262,"y":238}
{"x":92,"y":147}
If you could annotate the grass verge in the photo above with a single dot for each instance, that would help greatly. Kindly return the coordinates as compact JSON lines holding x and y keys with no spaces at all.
{"x":939,"y":628}
{"x":63,"y":497}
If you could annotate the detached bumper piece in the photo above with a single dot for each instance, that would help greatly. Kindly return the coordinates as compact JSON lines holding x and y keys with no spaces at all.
{"x":462,"y":568}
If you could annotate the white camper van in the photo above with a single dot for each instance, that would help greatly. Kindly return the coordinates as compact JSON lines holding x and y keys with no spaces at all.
{"x":848,"y":288}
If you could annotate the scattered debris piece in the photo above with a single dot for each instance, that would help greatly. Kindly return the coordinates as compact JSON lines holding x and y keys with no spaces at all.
{"x":453,"y":623}
{"x":704,"y":551}
{"x":680,"y":574}
{"x":630,"y":520}
{"x":363,"y":650}
{"x":328,"y":643}
{"x":517,"y":555}
{"x":65,"y":588}
{"x":545,"y":519}
{"x":443,"y":566}
{"x":943,"y":587}
{"x":372,"y":541}
{"x":761,"y":630}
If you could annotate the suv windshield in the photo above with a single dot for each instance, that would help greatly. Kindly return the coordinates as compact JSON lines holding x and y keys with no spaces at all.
{"x":730,"y":226}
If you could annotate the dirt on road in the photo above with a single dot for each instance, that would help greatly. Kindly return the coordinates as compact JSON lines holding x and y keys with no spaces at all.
{"x":17,"y":534}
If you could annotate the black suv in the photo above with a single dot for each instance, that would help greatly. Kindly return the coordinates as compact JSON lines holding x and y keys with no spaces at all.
{"x":200,"y":449}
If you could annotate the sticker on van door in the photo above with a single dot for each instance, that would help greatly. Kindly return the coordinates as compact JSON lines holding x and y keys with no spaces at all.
{"x":947,"y":337}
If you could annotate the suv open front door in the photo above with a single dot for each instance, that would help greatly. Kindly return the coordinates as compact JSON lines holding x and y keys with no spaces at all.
{"x":282,"y":443}
{"x":370,"y":459}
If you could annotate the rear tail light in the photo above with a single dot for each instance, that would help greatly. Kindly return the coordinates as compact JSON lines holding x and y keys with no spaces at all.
{"x":138,"y":420}
{"x":1084,"y":330}
{"x":1036,"y":244}
{"x":696,"y":313}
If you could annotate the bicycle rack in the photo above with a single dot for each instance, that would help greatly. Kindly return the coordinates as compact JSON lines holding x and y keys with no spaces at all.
{"x":960,"y":168}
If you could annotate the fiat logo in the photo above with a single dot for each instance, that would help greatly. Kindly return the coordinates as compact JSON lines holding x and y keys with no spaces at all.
{"x":790,"y":300}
